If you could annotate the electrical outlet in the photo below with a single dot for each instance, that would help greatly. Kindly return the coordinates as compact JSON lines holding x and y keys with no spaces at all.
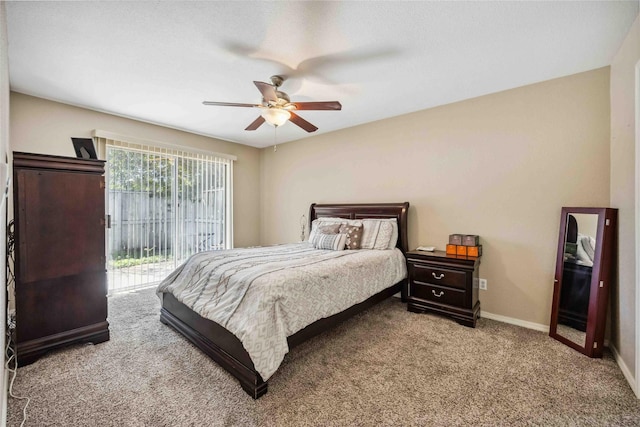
{"x":483,"y":284}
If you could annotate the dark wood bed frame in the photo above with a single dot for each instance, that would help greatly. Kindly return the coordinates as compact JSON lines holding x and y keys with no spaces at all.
{"x":227,"y":350}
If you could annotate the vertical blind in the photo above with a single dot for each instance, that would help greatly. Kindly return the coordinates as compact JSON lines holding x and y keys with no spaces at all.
{"x":164,"y":204}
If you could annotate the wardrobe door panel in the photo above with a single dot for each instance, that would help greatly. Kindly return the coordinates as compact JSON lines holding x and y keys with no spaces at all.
{"x":62,"y":227}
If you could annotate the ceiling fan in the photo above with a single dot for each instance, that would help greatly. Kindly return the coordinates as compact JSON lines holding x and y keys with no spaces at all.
{"x":277,"y":108}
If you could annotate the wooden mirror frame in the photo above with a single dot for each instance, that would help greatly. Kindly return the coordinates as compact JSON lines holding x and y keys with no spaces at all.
{"x":601,"y":277}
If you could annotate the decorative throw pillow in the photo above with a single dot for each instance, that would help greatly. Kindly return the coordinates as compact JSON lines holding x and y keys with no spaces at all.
{"x":333,"y":242}
{"x":329,"y":228}
{"x":322,"y":222}
{"x":354,"y":235}
{"x":322,"y":230}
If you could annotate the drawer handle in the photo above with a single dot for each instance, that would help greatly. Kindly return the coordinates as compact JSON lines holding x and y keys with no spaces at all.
{"x":437,"y":295}
{"x":440,"y":276}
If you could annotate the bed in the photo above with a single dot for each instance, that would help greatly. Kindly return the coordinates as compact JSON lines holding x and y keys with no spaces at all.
{"x":217,"y":338}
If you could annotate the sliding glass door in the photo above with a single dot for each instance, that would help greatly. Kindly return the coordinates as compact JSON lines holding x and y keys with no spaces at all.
{"x":163,"y":206}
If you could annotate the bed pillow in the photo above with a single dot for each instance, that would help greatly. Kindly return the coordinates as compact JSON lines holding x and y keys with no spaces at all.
{"x":394,"y":234}
{"x":588,"y":245}
{"x":327,"y":224}
{"x":323,"y":229}
{"x":379,"y":233}
{"x":329,"y":228}
{"x":333,"y":242}
{"x":327,"y":219}
{"x":585,"y":249}
{"x":354,"y":235}
{"x":316,"y":224}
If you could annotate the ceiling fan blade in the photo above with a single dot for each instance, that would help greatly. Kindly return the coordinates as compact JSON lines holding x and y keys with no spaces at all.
{"x":296,"y":119}
{"x":328,"y":105}
{"x":267,"y":91}
{"x":255,"y":124}
{"x":228,"y":104}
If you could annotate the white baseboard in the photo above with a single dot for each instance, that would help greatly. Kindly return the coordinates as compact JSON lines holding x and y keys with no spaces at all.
{"x":625,"y":371}
{"x":513,"y":321}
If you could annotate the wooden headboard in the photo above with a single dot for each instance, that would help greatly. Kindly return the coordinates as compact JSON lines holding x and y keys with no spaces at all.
{"x":367,"y":210}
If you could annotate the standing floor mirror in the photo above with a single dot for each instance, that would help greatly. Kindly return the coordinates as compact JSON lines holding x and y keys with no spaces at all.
{"x":584,"y":270}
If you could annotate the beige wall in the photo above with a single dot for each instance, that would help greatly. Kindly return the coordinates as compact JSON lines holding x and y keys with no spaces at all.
{"x":4,"y":147}
{"x":41,"y":126}
{"x":587,"y":224}
{"x":500,"y":166}
{"x":623,"y":193}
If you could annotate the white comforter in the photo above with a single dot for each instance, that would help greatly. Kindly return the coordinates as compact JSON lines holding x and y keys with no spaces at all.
{"x":263,"y":295}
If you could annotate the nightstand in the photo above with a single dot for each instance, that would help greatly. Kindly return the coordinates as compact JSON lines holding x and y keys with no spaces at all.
{"x":444,"y":284}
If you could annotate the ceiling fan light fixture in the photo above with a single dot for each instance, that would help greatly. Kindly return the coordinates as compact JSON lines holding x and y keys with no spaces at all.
{"x":275,"y":116}
{"x":276,"y":107}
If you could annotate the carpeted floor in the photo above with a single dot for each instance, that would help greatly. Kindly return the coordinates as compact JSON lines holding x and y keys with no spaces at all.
{"x":384,"y":367}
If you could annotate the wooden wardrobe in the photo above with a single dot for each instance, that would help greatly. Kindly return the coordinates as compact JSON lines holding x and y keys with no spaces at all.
{"x":60,"y":276}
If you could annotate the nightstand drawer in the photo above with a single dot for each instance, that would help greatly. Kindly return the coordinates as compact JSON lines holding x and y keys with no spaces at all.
{"x":439,"y":294}
{"x":437,"y":276}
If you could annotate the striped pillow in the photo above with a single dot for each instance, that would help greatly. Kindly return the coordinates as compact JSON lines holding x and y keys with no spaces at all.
{"x":333,"y":242}
{"x":323,"y":230}
{"x":379,"y":233}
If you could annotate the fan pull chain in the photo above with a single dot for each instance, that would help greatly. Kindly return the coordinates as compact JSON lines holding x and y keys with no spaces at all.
{"x":275,"y":138}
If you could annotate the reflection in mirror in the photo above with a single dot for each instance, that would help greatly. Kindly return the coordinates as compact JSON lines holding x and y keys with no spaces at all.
{"x":579,"y":250}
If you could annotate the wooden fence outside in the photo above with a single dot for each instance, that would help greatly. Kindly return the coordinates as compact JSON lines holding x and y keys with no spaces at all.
{"x":143,"y":224}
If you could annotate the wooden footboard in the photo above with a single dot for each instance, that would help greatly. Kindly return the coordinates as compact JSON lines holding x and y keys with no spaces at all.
{"x":227,"y":350}
{"x":215,"y":341}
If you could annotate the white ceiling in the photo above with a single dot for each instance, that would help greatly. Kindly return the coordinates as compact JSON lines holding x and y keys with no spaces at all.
{"x":157,"y":61}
